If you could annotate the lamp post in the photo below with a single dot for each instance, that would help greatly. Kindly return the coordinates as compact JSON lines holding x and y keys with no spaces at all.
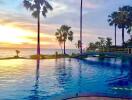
{"x":81,"y":26}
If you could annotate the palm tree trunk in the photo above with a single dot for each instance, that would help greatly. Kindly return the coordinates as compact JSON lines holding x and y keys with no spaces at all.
{"x":61,"y":47}
{"x":38,"y":37}
{"x":81,"y":27}
{"x":64,"y":47}
{"x":123,"y":42}
{"x":115,"y":34}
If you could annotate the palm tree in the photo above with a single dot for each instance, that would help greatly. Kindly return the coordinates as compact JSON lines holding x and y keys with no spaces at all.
{"x":123,"y":22}
{"x":63,"y":34}
{"x":81,"y":26}
{"x":119,"y":19}
{"x":113,"y":20}
{"x":128,"y":9}
{"x":37,"y":7}
{"x":59,"y":38}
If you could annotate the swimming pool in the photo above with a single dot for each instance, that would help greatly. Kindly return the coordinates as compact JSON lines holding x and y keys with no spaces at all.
{"x":63,"y":78}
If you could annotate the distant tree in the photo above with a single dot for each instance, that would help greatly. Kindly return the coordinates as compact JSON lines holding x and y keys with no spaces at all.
{"x":98,"y":44}
{"x":37,"y":7}
{"x":78,"y":44}
{"x":63,"y":34}
{"x":108,"y":42}
{"x":101,"y":44}
{"x":92,"y":46}
{"x":102,"y":41}
{"x":17,"y":53}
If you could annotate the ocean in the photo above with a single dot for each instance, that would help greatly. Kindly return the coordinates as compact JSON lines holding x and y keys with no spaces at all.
{"x":27,"y":52}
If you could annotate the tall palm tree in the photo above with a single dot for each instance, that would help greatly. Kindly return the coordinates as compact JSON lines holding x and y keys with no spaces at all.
{"x":37,"y":7}
{"x":122,"y":23}
{"x":81,"y":26}
{"x":113,"y":20}
{"x":128,"y":9}
{"x":63,"y":34}
{"x":119,"y":19}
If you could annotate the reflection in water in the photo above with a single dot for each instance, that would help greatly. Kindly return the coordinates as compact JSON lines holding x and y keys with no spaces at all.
{"x":122,"y":85}
{"x":130,"y":70}
{"x":101,"y":58}
{"x":122,"y":66}
{"x":63,"y":78}
{"x":36,"y":86}
{"x":79,"y":78}
{"x":63,"y":72}
{"x":35,"y":92}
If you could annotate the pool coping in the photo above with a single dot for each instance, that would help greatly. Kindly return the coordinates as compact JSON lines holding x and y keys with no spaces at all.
{"x":98,"y":96}
{"x":94,"y":98}
{"x":79,"y":97}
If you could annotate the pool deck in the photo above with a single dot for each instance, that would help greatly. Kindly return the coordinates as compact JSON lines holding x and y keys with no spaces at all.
{"x":96,"y":98}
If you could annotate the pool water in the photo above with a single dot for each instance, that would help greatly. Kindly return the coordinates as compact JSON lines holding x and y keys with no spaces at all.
{"x":58,"y":79}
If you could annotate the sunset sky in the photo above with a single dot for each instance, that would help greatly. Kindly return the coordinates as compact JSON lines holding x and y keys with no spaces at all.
{"x":18,"y":28}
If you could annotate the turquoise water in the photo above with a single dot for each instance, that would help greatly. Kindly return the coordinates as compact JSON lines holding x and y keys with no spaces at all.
{"x":63,"y":78}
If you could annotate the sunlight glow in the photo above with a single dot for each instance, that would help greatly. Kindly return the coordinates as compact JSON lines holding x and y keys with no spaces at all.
{"x":11,"y":35}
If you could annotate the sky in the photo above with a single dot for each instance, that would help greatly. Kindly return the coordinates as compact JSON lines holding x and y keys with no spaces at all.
{"x":18,"y":28}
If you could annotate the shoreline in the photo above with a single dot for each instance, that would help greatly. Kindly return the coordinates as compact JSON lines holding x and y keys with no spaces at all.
{"x":36,"y":57}
{"x":57,"y":56}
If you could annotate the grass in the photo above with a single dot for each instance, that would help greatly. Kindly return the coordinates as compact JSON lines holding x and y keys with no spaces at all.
{"x":41,"y":57}
{"x":15,"y":57}
{"x":50,"y":56}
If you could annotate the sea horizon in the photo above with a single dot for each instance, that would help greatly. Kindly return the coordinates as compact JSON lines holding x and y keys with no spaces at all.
{"x":27,"y":52}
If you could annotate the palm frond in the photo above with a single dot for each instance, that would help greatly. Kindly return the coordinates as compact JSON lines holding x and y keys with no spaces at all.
{"x":45,"y":9}
{"x":56,"y":33}
{"x":37,"y":7}
{"x":35,"y":14}
{"x":48,"y":6}
{"x":33,"y":7}
{"x":27,"y":4}
{"x":64,"y":33}
{"x":44,"y":13}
